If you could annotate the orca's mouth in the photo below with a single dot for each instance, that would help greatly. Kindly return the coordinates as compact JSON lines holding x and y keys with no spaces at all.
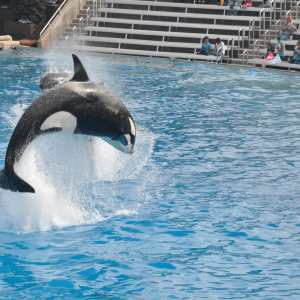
{"x":122,"y":143}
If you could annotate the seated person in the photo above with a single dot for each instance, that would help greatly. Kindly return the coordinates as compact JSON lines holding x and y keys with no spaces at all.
{"x":206,"y":47}
{"x":248,"y":3}
{"x":280,"y":48}
{"x":231,"y":12}
{"x":232,"y":2}
{"x":287,"y":29}
{"x":296,"y":58}
{"x":219,"y":45}
{"x":270,"y":52}
{"x":267,"y":3}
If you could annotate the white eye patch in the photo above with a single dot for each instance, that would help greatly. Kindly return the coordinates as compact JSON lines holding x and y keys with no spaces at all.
{"x":64,"y":120}
{"x":132,"y":127}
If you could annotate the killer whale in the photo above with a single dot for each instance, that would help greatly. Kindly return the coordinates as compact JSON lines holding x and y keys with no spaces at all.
{"x":78,"y":106}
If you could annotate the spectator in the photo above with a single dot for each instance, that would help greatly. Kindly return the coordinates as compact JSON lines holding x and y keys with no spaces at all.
{"x":267,"y":3}
{"x":271,"y":50}
{"x":287,"y":29}
{"x":219,"y":45}
{"x":232,"y":2}
{"x":296,"y":58}
{"x":231,"y":12}
{"x":280,"y":48}
{"x":248,"y":3}
{"x":206,"y":47}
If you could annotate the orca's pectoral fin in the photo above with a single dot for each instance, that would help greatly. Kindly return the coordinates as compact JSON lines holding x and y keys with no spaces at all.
{"x":14,"y":183}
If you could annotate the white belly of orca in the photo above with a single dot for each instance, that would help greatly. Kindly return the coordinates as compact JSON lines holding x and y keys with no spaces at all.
{"x":64,"y":120}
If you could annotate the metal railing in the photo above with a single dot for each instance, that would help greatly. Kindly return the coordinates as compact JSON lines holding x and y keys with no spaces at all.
{"x":254,"y":51}
{"x":288,"y":14}
{"x":246,"y":51}
{"x":221,"y":55}
{"x":95,"y":7}
{"x":53,"y":17}
{"x":243,"y":39}
{"x":276,"y":26}
{"x":265,"y":37}
{"x":273,"y":5}
{"x":232,"y":46}
{"x":67,"y":42}
{"x":252,"y":21}
{"x":88,"y":16}
{"x":74,"y":34}
{"x":262,"y":14}
{"x":297,"y":8}
{"x":80,"y":26}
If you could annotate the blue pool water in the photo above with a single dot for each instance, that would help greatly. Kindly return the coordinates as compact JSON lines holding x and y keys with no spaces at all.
{"x":206,"y":208}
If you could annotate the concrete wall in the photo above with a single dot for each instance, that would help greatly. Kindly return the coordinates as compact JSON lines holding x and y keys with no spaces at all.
{"x":60,"y":23}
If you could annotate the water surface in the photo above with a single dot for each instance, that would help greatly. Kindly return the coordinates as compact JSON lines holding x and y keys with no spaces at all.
{"x":206,"y":208}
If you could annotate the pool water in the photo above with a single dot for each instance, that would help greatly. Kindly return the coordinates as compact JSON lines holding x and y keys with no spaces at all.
{"x":206,"y":208}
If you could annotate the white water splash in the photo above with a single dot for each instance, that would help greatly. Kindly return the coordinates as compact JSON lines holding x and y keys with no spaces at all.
{"x":78,"y":180}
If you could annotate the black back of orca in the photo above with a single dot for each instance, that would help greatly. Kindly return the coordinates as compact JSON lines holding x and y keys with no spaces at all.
{"x":79,"y":106}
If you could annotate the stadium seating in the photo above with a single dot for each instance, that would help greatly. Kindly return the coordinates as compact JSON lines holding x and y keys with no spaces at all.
{"x":167,"y":28}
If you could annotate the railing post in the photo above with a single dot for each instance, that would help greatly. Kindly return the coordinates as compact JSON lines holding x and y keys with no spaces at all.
{"x":261,"y":15}
{"x":250,"y":22}
{"x":80,"y":26}
{"x":265,"y":37}
{"x":67,"y":42}
{"x":239,"y":42}
{"x":246,"y":51}
{"x":254,"y":48}
{"x":228,"y":46}
{"x":87,"y":16}
{"x":74,"y":34}
{"x":297,"y":7}
{"x":279,"y":21}
{"x":232,"y":46}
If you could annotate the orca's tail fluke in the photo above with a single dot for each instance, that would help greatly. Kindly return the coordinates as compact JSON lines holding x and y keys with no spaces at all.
{"x":14,"y":183}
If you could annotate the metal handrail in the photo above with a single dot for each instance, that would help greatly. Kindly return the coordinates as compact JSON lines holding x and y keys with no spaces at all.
{"x":53,"y":17}
{"x":279,"y":21}
{"x":80,"y":26}
{"x":247,"y":56}
{"x":284,"y":5}
{"x":273,"y":5}
{"x":218,"y":50}
{"x":297,"y":5}
{"x":67,"y":42}
{"x":263,"y":11}
{"x":88,"y":16}
{"x":94,"y":7}
{"x":232,"y":45}
{"x":265,"y":35}
{"x":288,"y":13}
{"x":74,"y":34}
{"x":254,"y":48}
{"x":253,"y":29}
{"x":243,"y":38}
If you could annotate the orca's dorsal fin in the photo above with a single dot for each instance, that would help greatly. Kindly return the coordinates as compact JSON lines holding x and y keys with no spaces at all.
{"x":80,"y":74}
